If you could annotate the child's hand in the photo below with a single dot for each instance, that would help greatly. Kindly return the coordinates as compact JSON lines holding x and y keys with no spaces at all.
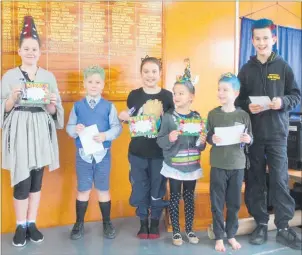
{"x":79,"y":128}
{"x":51,"y":108}
{"x":203,"y":139}
{"x":124,"y":116}
{"x":100,"y":137}
{"x":15,"y":94}
{"x":173,"y":136}
{"x":53,"y":99}
{"x":276,"y":103}
{"x":216,"y":139}
{"x":245,"y":138}
{"x":255,"y":108}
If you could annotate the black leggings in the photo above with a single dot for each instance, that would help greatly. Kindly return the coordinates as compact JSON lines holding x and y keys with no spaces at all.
{"x":30,"y":185}
{"x":188,"y":197}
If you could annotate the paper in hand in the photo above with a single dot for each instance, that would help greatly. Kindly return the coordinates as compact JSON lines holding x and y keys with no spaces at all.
{"x":229,"y":135}
{"x":89,"y":145}
{"x":263,"y":101}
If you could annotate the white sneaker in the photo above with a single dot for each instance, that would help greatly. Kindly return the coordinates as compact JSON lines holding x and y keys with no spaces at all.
{"x":177,"y":239}
{"x":193,"y":239}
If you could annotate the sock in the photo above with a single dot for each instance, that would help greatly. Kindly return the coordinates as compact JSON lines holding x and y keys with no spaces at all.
{"x":105,"y":210}
{"x":282,"y":229}
{"x":81,"y":207}
{"x":22,"y":223}
{"x":30,"y":221}
{"x":264,"y":224}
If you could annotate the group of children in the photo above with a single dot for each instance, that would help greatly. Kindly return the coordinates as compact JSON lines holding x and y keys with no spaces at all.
{"x":30,"y":144}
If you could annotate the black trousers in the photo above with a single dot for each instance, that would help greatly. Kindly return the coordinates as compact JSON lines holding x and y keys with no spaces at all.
{"x":225,"y":187}
{"x":275,"y":156}
{"x":30,"y":185}
{"x":148,"y":186}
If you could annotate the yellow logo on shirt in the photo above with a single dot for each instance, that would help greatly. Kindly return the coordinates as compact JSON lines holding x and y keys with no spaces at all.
{"x":273,"y":76}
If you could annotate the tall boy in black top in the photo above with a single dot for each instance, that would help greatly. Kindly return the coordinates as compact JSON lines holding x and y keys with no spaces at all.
{"x":267,"y":74}
{"x":145,"y":156}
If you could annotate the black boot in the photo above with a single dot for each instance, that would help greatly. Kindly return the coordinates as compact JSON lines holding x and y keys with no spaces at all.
{"x":108,"y":230}
{"x":259,"y":235}
{"x":289,"y":237}
{"x":78,"y":228}
{"x":143,"y":232}
{"x":154,"y":229}
{"x":77,"y":231}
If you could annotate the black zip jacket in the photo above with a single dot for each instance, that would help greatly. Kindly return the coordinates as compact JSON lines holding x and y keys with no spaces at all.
{"x":275,"y":78}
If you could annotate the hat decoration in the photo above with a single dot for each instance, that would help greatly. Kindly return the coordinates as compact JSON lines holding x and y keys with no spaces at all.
{"x":187,"y":74}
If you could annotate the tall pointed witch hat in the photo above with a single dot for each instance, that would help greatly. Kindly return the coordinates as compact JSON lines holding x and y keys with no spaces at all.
{"x":29,"y":29}
{"x":187,"y":74}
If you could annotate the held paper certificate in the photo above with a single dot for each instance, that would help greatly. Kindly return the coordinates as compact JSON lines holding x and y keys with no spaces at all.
{"x":89,"y":145}
{"x":263,"y":101}
{"x":229,"y":135}
{"x":35,"y":93}
{"x":192,"y":126}
{"x":142,"y":125}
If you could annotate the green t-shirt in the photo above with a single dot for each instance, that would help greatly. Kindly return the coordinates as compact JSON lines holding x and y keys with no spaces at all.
{"x":228,"y":157}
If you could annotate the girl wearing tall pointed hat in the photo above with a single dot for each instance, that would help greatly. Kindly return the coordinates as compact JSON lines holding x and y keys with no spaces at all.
{"x":182,"y":153}
{"x":29,"y":138}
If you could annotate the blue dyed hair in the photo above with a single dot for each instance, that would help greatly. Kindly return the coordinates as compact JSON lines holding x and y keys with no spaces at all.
{"x":230,"y":78}
{"x":264,"y":23}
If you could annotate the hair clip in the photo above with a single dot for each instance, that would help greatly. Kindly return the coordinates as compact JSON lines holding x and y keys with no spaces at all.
{"x":152,"y":59}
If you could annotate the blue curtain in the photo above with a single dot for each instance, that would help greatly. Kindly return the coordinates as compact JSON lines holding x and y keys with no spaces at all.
{"x":246,"y":47}
{"x":290,"y":48}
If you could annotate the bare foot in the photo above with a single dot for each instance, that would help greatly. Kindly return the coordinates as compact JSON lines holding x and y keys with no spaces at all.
{"x":235,"y":245}
{"x":219,"y":246}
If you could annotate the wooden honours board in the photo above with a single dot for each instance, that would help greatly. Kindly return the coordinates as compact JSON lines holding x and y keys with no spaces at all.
{"x":76,"y":34}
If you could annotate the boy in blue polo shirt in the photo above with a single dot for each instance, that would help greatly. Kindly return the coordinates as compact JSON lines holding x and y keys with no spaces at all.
{"x":95,"y":168}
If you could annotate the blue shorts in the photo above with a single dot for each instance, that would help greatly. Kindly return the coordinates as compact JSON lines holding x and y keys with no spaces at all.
{"x":97,"y":173}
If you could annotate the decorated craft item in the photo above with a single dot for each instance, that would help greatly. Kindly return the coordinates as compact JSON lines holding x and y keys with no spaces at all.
{"x":29,"y":29}
{"x":143,"y":125}
{"x":187,"y":74}
{"x":35,"y":93}
{"x":192,"y":126}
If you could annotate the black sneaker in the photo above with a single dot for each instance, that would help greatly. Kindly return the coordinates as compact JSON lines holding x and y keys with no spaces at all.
{"x":34,"y":234}
{"x":19,"y":239}
{"x":289,"y":237}
{"x":108,"y":230}
{"x":259,"y":235}
{"x":77,"y":231}
{"x":143,"y":232}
